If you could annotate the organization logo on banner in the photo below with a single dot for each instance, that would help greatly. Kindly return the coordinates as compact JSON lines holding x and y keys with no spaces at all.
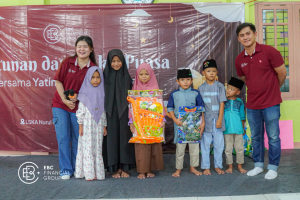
{"x":52,"y":34}
{"x":28,"y":172}
{"x":42,"y":122}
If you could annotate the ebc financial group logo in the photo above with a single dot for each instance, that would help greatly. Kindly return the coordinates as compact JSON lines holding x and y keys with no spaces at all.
{"x":28,"y":172}
{"x":52,"y":34}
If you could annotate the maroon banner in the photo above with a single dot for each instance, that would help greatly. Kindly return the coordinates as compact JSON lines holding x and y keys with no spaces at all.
{"x":35,"y":39}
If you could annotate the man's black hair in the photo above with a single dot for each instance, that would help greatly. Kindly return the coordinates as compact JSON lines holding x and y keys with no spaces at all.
{"x":244,"y":25}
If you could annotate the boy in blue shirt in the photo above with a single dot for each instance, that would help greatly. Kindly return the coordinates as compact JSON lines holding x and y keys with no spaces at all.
{"x":234,"y":120}
{"x":214,"y":96}
{"x":184,"y":96}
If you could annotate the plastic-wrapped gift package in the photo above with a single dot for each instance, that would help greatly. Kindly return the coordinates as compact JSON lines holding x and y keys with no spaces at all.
{"x":191,"y":116}
{"x":248,"y":146}
{"x":146,"y":109}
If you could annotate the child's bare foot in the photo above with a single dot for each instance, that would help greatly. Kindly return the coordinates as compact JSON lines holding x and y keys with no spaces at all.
{"x":219,"y":171}
{"x":177,"y":173}
{"x":241,"y":169}
{"x":117,"y":174}
{"x":150,"y":175}
{"x":141,"y":176}
{"x":95,"y":178}
{"x":89,"y":179}
{"x":207,"y":172}
{"x":229,"y":170}
{"x":124,"y":174}
{"x":194,"y":171}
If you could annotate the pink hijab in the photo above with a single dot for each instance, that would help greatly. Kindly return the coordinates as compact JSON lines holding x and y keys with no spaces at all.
{"x":150,"y":85}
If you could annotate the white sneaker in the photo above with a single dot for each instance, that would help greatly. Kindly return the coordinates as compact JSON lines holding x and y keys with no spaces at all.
{"x":255,"y":171}
{"x":271,"y":174}
{"x":65,"y":177}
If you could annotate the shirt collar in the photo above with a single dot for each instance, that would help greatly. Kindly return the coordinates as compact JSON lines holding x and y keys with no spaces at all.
{"x":183,"y":90}
{"x":246,"y":54}
{"x":88,"y":65}
{"x":256,"y":50}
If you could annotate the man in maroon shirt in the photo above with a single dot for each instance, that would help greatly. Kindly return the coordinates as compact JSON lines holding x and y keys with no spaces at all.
{"x":262,"y":69}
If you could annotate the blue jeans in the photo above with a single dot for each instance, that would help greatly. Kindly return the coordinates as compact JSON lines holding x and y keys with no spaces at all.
{"x":258,"y":120}
{"x":67,"y":133}
{"x":218,"y":138}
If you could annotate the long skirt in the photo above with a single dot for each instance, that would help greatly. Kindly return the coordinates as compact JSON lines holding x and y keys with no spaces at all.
{"x":117,"y":152}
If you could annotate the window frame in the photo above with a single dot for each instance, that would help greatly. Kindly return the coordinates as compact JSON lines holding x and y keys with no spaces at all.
{"x":293,"y":40}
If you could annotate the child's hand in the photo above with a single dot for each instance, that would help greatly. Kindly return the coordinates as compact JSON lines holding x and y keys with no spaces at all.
{"x":104,"y":131}
{"x":70,"y":104}
{"x":132,"y":128}
{"x":202,"y":128}
{"x":178,"y":122}
{"x":219,"y":124}
{"x":163,"y":125}
{"x":80,"y":130}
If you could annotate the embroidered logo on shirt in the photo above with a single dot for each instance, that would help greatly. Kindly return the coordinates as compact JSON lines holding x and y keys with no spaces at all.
{"x":244,"y":64}
{"x":71,"y":71}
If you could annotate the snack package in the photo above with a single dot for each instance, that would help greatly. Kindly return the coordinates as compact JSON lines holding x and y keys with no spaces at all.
{"x":146,"y":109}
{"x":191,"y":116}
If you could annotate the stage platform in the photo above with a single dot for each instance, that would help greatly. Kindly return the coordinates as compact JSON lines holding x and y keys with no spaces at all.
{"x":49,"y":186}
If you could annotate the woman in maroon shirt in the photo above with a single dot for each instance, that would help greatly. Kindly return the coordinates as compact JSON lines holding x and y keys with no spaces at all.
{"x":70,"y":75}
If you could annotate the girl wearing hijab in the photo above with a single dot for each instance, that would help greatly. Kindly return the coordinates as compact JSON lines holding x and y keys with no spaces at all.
{"x":92,"y":126}
{"x":148,"y":157}
{"x":118,"y":154}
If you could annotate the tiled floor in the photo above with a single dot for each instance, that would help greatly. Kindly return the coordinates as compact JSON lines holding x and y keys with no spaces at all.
{"x":288,"y":196}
